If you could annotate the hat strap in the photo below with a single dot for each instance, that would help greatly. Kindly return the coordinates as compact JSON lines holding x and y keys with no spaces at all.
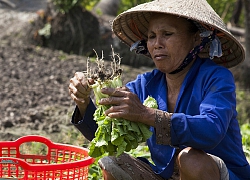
{"x":195,"y":51}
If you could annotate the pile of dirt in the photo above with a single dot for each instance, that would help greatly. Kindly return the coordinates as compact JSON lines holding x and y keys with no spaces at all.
{"x":34,"y":83}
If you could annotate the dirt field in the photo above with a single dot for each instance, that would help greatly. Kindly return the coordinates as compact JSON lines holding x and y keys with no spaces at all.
{"x":34,"y":81}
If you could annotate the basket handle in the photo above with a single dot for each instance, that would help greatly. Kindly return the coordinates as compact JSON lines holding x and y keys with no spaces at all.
{"x":36,"y":138}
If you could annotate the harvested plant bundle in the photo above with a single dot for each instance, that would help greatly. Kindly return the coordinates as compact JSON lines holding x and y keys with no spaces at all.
{"x":113,"y":135}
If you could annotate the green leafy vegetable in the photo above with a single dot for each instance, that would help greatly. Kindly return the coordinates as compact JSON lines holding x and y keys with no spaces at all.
{"x":114,"y":136}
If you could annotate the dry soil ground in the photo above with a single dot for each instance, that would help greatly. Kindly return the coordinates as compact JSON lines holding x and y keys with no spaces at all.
{"x":34,"y":81}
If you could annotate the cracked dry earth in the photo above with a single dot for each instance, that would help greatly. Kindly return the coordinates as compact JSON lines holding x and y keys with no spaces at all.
{"x":34,"y":82}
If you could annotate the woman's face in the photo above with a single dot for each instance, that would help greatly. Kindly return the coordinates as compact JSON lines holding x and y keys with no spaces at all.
{"x":169,"y":41}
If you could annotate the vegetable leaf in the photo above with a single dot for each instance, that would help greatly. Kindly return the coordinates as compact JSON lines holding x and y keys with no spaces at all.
{"x":115,"y":136}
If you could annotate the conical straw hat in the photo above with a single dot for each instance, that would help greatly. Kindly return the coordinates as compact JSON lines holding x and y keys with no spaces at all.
{"x":131,"y":25}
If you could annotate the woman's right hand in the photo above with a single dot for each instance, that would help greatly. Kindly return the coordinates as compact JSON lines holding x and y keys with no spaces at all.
{"x":79,"y":91}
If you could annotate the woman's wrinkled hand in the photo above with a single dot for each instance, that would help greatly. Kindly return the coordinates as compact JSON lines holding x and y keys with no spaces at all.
{"x":125,"y":104}
{"x":79,"y":91}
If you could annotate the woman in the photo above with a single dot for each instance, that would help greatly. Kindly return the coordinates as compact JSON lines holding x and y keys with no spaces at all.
{"x":195,"y":131}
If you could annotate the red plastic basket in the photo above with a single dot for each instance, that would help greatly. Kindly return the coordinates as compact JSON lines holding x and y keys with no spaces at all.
{"x":60,"y":162}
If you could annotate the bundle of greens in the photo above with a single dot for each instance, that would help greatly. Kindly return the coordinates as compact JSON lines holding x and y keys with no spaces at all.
{"x":114,"y":136}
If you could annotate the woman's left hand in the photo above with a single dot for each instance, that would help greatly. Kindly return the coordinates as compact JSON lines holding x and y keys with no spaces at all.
{"x":125,"y":104}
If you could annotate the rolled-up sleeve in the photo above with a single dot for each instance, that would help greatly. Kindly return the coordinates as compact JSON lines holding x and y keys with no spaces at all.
{"x":163,"y":127}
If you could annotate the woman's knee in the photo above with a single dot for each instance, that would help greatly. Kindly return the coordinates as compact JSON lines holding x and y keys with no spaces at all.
{"x":194,"y":163}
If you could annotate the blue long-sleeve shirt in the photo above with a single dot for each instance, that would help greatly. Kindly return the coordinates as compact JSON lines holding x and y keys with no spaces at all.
{"x":204,"y":116}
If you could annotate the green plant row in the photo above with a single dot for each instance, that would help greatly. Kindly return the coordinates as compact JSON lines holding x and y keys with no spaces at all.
{"x":223,"y":7}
